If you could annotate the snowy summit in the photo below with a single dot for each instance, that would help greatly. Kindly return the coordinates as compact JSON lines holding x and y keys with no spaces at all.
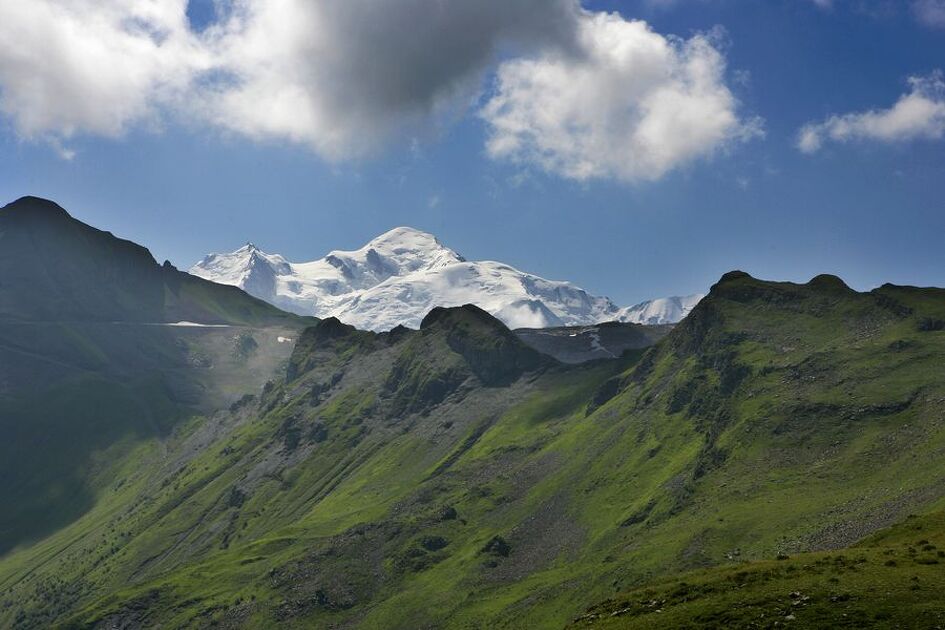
{"x":398,"y":277}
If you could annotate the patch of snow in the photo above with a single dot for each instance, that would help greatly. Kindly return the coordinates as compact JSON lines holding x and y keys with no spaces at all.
{"x":662,"y":311}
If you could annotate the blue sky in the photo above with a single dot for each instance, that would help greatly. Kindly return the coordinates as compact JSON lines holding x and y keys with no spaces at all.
{"x":866,"y":205}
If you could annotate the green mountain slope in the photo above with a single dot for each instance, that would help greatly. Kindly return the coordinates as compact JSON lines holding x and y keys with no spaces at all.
{"x":86,"y":368}
{"x":452,"y":477}
{"x":893,"y":579}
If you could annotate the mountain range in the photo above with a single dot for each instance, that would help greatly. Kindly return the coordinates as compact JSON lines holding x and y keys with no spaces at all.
{"x":395,"y":279}
{"x":773,"y":460}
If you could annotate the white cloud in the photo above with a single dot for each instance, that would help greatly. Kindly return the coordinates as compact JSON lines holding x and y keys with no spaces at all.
{"x":930,"y":12}
{"x":345,"y":76}
{"x":917,"y":114}
{"x":341,"y":76}
{"x":628,"y":104}
{"x":94,"y":66}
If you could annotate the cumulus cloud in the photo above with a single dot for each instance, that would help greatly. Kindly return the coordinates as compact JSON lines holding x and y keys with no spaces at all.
{"x":629,"y":104}
{"x":95,"y":66}
{"x":918,"y":114}
{"x":338,"y":75}
{"x":345,"y":76}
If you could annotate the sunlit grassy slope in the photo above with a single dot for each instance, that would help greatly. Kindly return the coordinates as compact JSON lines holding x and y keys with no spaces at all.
{"x":451,"y":477}
{"x":893,"y":579}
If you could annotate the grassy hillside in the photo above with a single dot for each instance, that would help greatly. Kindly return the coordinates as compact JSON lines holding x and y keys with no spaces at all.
{"x":893,"y":579}
{"x":452,"y":477}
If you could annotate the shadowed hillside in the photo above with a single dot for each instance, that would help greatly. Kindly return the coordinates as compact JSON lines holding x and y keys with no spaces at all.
{"x":55,"y":268}
{"x":579,"y":344}
{"x":89,"y":368}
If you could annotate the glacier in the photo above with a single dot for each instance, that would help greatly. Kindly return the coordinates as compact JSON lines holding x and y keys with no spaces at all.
{"x":398,"y":277}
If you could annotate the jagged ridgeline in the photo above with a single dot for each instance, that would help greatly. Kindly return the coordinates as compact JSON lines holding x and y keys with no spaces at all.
{"x":453,"y":477}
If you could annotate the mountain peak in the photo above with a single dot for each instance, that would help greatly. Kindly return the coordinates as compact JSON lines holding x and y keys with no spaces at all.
{"x":35,"y":206}
{"x":731,"y":276}
{"x":401,"y":275}
{"x":408,"y":241}
{"x":828,"y":282}
{"x":660,"y":311}
{"x":470,"y":312}
{"x":401,"y":232}
{"x":491,"y":351}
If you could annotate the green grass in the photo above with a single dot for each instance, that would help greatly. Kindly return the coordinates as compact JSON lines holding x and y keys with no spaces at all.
{"x":893,"y":579}
{"x":49,"y":477}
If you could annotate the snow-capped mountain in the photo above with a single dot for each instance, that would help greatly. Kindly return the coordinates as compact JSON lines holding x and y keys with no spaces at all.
{"x":320,"y":287}
{"x":401,"y":275}
{"x":661,"y":311}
